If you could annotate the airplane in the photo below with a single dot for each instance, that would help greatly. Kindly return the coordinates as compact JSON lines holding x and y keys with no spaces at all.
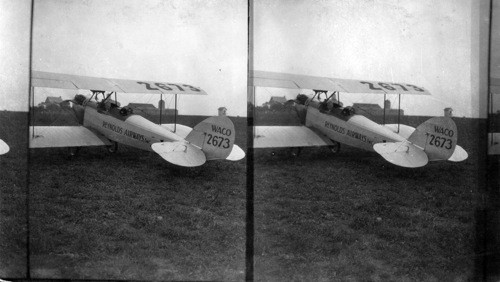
{"x":103,"y":122}
{"x":325,"y":122}
{"x":4,"y":148}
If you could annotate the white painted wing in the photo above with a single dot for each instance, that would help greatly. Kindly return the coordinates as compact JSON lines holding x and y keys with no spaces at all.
{"x":64,"y":136}
{"x":287,"y":136}
{"x":294,"y":81}
{"x":68,"y":81}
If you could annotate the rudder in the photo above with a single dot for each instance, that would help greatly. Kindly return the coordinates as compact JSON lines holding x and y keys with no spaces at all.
{"x":437,"y":137}
{"x":214,"y":136}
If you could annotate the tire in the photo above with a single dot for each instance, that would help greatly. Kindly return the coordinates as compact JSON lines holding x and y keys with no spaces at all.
{"x":335,"y":148}
{"x":113,"y":148}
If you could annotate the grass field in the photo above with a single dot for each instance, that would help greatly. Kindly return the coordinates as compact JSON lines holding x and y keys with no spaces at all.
{"x":13,"y":130}
{"x":353,"y":216}
{"x":131,"y":215}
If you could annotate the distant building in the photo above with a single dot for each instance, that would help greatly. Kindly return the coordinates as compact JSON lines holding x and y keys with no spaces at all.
{"x":448,"y":112}
{"x":54,"y":103}
{"x":276,"y":103}
{"x":141,"y":106}
{"x":150,"y":109}
{"x":276,"y":99}
{"x":222,"y":111}
{"x":375,"y":109}
{"x":53,"y":100}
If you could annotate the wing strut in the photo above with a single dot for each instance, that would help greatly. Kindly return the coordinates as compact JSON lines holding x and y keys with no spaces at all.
{"x":175,"y":114}
{"x":384,"y":108}
{"x":399,"y":110}
{"x":161,"y":105}
{"x":32,"y":110}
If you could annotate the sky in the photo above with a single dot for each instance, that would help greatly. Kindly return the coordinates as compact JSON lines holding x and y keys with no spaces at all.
{"x":14,"y":54}
{"x":428,"y":43}
{"x":495,"y":49}
{"x":433,"y":44}
{"x":201,"y":43}
{"x":495,"y":39}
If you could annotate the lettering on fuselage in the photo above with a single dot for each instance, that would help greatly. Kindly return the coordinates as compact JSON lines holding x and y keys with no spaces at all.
{"x":350,"y":133}
{"x":335,"y":127}
{"x":112,"y":127}
{"x":221,"y":130}
{"x":359,"y":136}
{"x":444,"y":131}
{"x":126,"y":132}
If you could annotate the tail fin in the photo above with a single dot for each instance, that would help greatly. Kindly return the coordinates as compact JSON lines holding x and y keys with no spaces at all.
{"x":437,"y":137}
{"x":215,"y":136}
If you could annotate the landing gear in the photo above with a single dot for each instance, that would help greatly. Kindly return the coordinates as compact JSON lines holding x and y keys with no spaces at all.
{"x":113,"y":148}
{"x":335,"y":148}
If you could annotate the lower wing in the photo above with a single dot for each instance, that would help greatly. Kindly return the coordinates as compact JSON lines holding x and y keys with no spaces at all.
{"x":288,"y":136}
{"x":64,"y":136}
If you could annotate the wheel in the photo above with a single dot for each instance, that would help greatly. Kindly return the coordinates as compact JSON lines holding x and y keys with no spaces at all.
{"x":335,"y":148}
{"x":113,"y":147}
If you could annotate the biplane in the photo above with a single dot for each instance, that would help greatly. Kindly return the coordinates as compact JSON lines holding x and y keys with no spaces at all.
{"x":103,"y":122}
{"x":326,"y":122}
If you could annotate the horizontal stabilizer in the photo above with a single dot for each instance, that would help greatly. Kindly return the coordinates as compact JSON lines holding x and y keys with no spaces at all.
{"x":459,"y":154}
{"x":4,"y":148}
{"x":402,"y":154}
{"x":236,"y":154}
{"x":180,"y":153}
{"x":287,"y":136}
{"x":69,"y":81}
{"x":64,"y":136}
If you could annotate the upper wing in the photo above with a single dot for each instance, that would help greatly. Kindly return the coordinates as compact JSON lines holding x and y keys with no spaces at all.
{"x":67,"y":81}
{"x":287,"y":136}
{"x":64,"y":136}
{"x":294,"y":81}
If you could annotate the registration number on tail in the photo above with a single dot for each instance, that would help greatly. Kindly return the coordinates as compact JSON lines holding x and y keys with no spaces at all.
{"x":439,"y":142}
{"x":218,"y":141}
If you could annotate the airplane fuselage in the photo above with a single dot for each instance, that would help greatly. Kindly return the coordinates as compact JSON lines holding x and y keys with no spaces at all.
{"x":354,"y":130}
{"x":129,"y":129}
